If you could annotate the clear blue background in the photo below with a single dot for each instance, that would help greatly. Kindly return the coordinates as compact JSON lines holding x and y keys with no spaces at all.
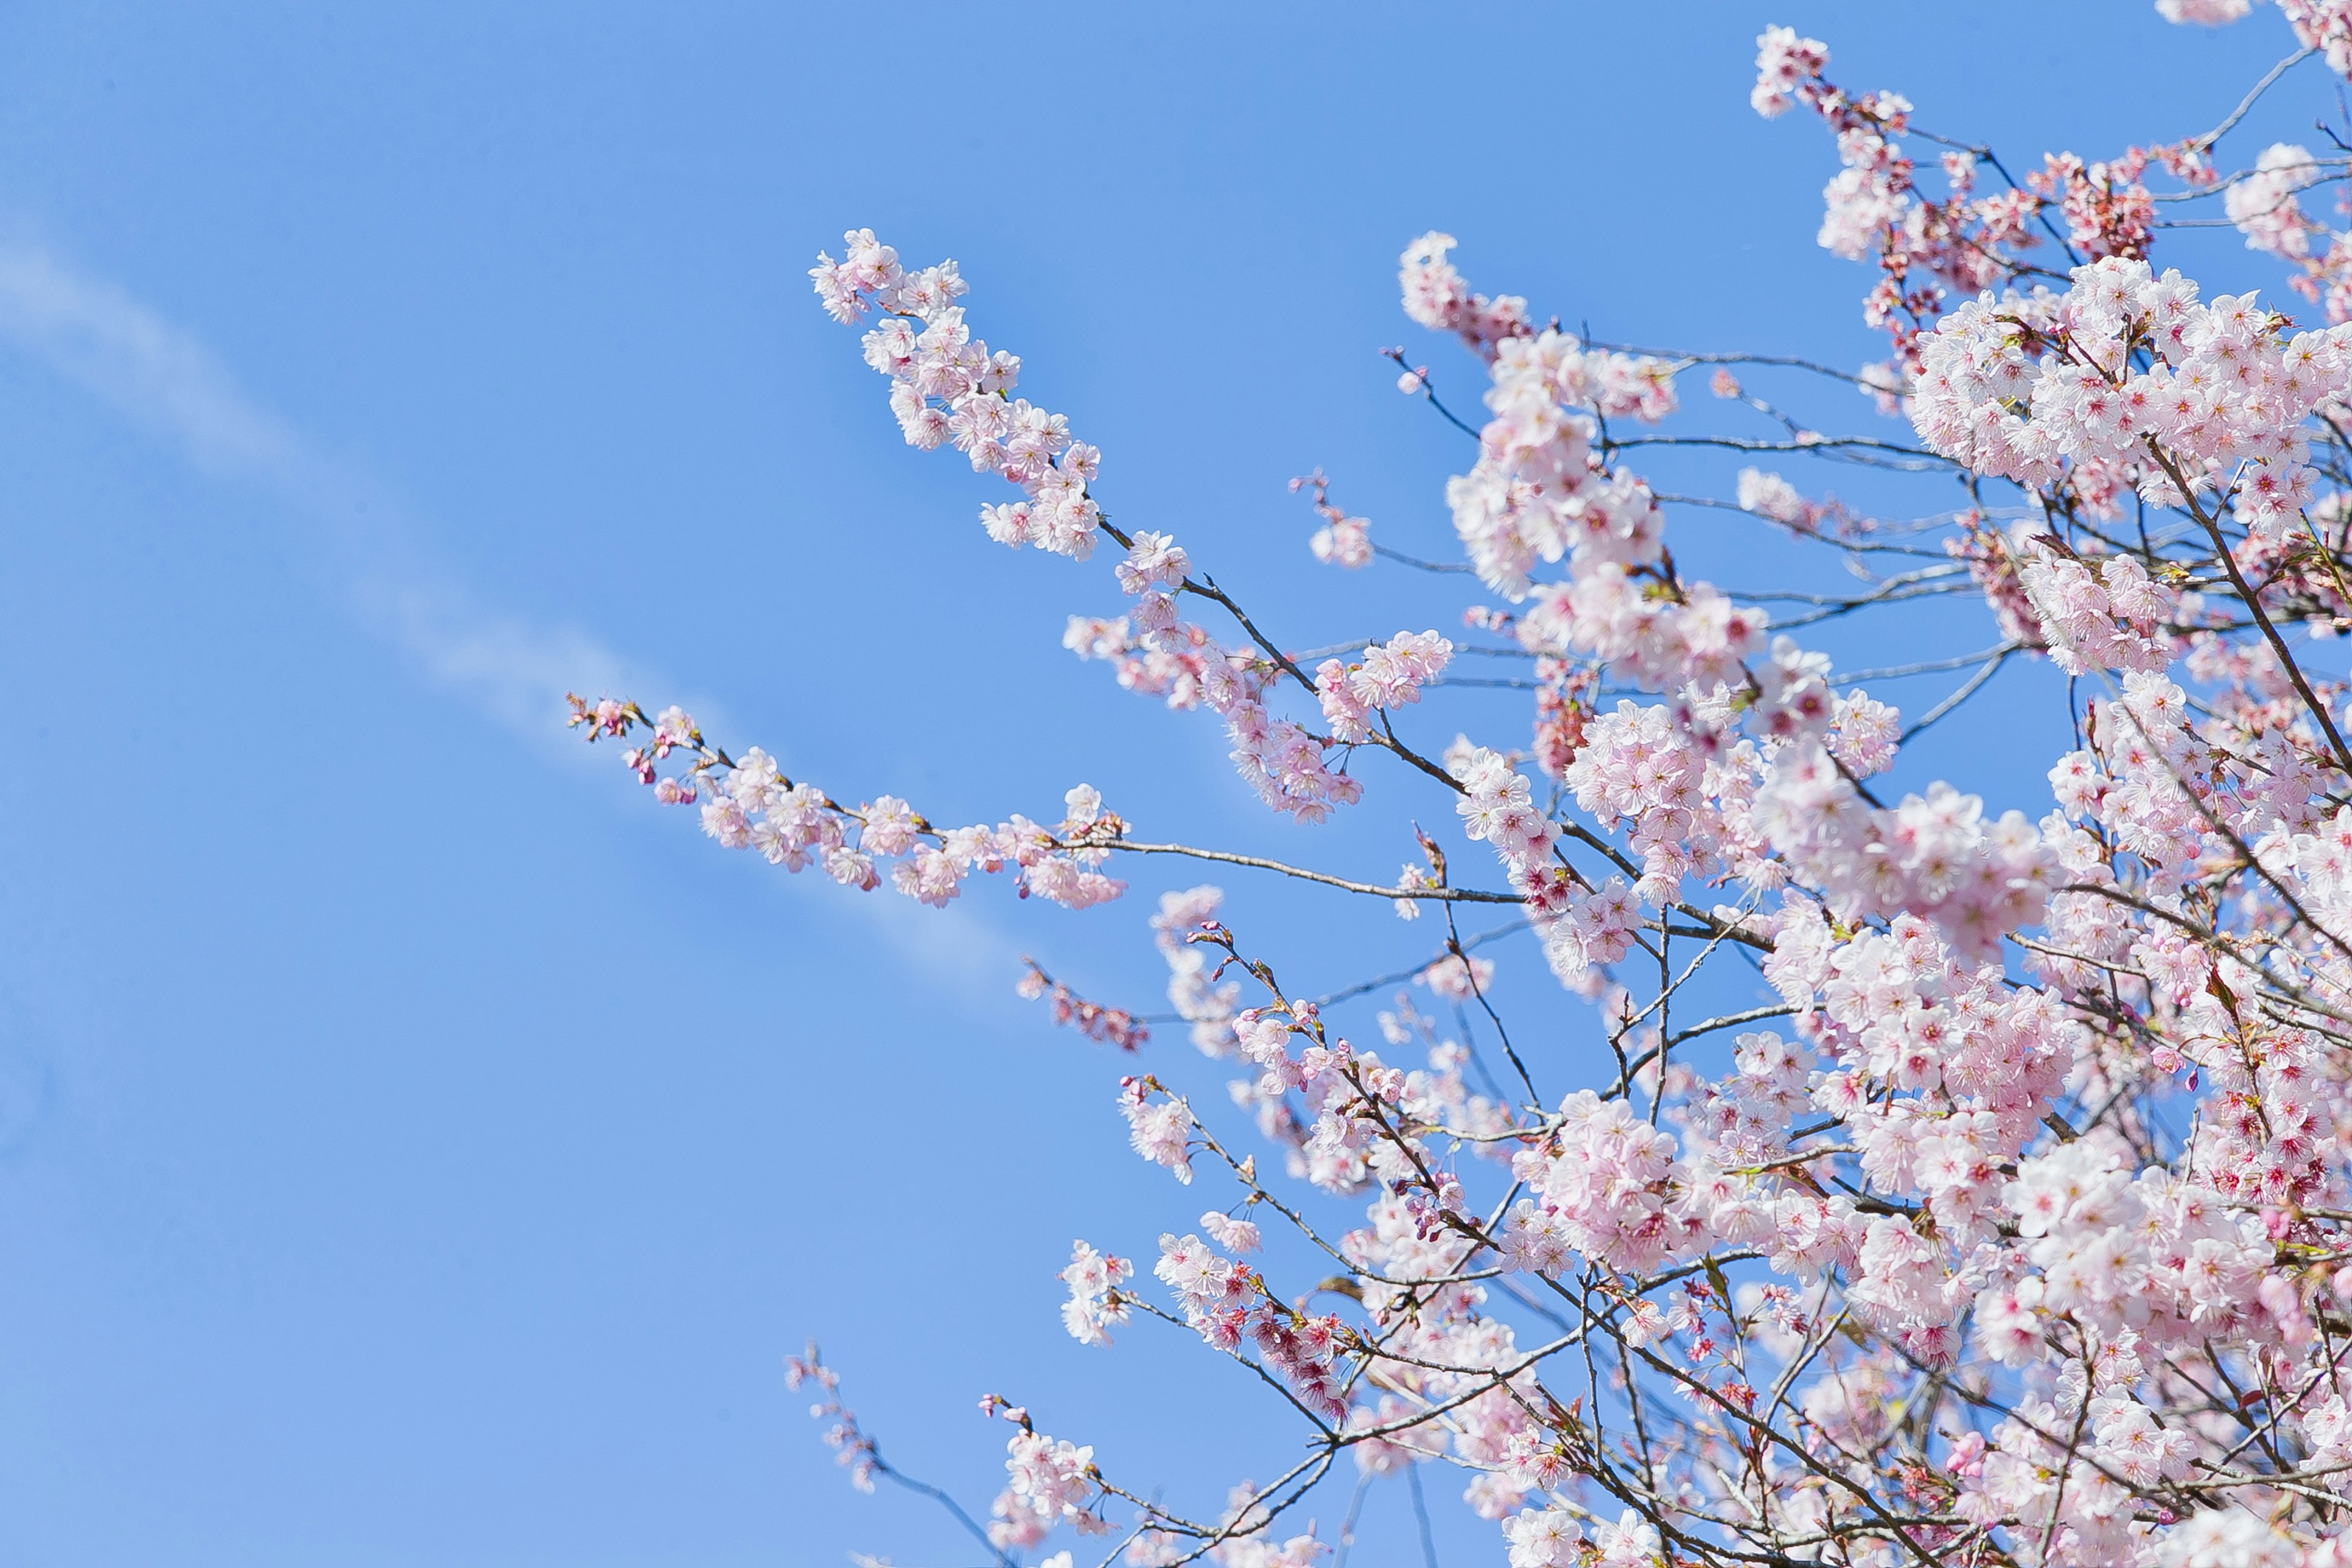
{"x":415,"y":1147}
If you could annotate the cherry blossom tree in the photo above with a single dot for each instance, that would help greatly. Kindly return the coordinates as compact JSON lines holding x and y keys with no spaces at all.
{"x":2017,"y":1227}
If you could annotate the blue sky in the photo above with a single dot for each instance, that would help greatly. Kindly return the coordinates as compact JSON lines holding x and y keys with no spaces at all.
{"x":416,"y":1148}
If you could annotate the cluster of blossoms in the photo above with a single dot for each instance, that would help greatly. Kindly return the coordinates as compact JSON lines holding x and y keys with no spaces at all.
{"x":1563,"y":713}
{"x":2020,"y":1236}
{"x":1555,"y":1537}
{"x":2322,"y":25}
{"x":1111,"y":1026}
{"x":1049,"y":1483}
{"x":2266,"y":206}
{"x":1160,"y":1130}
{"x":946,"y":387}
{"x":1602,"y":1186}
{"x":1223,"y":1301}
{"x":1932,"y":855}
{"x":1436,"y":296}
{"x":1611,"y":383}
{"x":1639,"y":767}
{"x":1342,"y":540}
{"x":1096,"y":1301}
{"x":2105,"y":613}
{"x":1874,"y":210}
{"x":1540,"y":489}
{"x":1390,"y":675}
{"x":1770,"y":496}
{"x":1457,"y":978}
{"x":2263,"y":205}
{"x":853,"y":1449}
{"x":1154,"y":653}
{"x":2171,"y":795}
{"x":1199,"y":997}
{"x":1325,"y":1138}
{"x":747,"y":803}
{"x":2127,"y":384}
{"x":1497,"y":807}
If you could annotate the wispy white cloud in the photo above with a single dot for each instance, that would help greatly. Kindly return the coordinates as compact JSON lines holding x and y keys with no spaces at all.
{"x":166,"y":381}
{"x":151,"y":371}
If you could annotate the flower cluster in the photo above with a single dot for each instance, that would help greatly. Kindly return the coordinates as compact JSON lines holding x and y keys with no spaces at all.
{"x":2326,"y":26}
{"x":1602,"y":1192}
{"x":1096,"y":1301}
{"x":1497,"y":808}
{"x":1874,"y":209}
{"x":1436,"y":296}
{"x":1539,"y":490}
{"x":1111,"y":1026}
{"x":946,"y":387}
{"x":1934,"y":855}
{"x":2127,"y":383}
{"x":2263,"y":205}
{"x":1160,"y":1130}
{"x":1047,"y":1483}
{"x":1388,"y":675}
{"x":747,"y":803}
{"x":1195,"y":990}
{"x":1342,"y":540}
{"x":2105,"y":613}
{"x":2266,"y":209}
{"x":1770,"y":496}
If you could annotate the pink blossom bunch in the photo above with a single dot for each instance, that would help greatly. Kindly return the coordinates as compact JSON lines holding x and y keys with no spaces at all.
{"x":1195,"y":990}
{"x":2263,"y":205}
{"x":1872,"y":208}
{"x":1159,"y":656}
{"x":2203,"y":13}
{"x":1342,"y":540}
{"x":1784,"y":63}
{"x":2326,"y":26}
{"x":1111,"y":1026}
{"x":1497,"y":807}
{"x":1219,"y":1299}
{"x":747,"y":803}
{"x":1591,"y":931}
{"x":946,"y":387}
{"x":1436,"y":296}
{"x":1603,"y":1192}
{"x":1097,"y":1302}
{"x":1689,"y":633}
{"x":1638,"y":766}
{"x":1456,"y":978}
{"x":1770,"y":496}
{"x":853,"y":1449}
{"x":1160,"y":1129}
{"x":2267,"y":211}
{"x":1049,"y":1483}
{"x":1934,"y":855}
{"x":2046,"y":391}
{"x":2107,"y":209}
{"x":1388,"y":675}
{"x":1537,"y":491}
{"x":2103,"y":613}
